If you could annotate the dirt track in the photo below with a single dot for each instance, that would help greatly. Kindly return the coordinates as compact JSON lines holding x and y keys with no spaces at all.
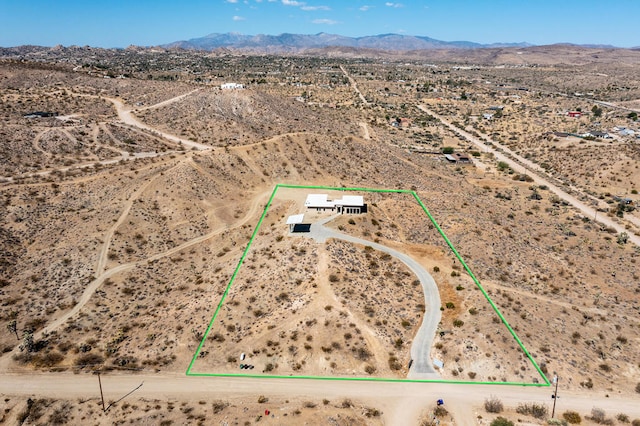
{"x":400,"y":402}
{"x":525,"y":166}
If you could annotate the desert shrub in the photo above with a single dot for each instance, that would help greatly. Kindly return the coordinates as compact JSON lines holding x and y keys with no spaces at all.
{"x":394,"y":364}
{"x":60,"y":415}
{"x":372,"y":412}
{"x":436,"y":269}
{"x":458,"y":323}
{"x":447,"y":150}
{"x":218,"y":406}
{"x":333,"y":278}
{"x":622,"y":418}
{"x":48,"y":359}
{"x":572,"y":417}
{"x":88,"y":360}
{"x":635,"y":422}
{"x":309,"y":404}
{"x":493,"y":405}
{"x":538,"y":411}
{"x":370,"y":369}
{"x":501,"y":421}
{"x":346,"y":403}
{"x":440,"y":411}
{"x":262,"y":399}
{"x":598,"y":416}
{"x":638,"y":387}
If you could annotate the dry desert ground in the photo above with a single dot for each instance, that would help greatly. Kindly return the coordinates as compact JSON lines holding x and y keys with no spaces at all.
{"x":125,"y":215}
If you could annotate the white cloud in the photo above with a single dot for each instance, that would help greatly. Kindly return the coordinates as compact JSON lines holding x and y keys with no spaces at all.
{"x":232,"y":1}
{"x":365,"y":8}
{"x":315,"y":8}
{"x":396,"y":5}
{"x":293,"y":3}
{"x":325,"y":21}
{"x":238,"y":18}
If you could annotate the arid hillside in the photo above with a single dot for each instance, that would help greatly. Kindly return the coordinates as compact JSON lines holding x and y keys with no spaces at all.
{"x":118,"y":243}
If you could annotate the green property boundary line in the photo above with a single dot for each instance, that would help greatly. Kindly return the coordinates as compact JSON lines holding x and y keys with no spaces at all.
{"x":369,"y":379}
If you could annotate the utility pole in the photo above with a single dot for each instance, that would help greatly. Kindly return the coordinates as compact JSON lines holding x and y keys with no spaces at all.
{"x":102,"y":395}
{"x":555,"y":395}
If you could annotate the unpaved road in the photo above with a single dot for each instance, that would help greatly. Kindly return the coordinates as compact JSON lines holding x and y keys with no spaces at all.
{"x":525,"y":166}
{"x":422,"y":367}
{"x":402,"y":403}
{"x":127,"y":117}
{"x":354,"y":85}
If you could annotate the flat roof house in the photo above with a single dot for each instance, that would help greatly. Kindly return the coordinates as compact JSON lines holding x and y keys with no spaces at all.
{"x":349,"y":204}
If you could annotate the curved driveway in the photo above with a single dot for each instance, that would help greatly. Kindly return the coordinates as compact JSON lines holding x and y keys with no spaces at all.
{"x":421,"y":367}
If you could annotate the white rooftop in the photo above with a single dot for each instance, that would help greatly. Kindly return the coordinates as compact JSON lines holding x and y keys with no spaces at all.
{"x":322,"y":201}
{"x":318,"y":200}
{"x":351,"y":200}
{"x":295,"y":219}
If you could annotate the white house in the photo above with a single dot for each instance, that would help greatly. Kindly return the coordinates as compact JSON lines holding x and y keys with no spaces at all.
{"x":350,"y":204}
{"x":231,"y":86}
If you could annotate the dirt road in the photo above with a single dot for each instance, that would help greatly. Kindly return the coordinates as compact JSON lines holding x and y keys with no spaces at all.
{"x":525,"y":166}
{"x":401,"y":403}
{"x":422,"y":367}
{"x":126,"y":116}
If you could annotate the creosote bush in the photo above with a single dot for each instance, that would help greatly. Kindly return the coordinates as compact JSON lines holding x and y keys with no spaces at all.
{"x":493,"y":405}
{"x":538,"y":411}
{"x":501,"y":421}
{"x":572,"y":417}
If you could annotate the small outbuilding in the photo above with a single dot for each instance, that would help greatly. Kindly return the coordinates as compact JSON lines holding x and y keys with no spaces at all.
{"x":296,"y":223}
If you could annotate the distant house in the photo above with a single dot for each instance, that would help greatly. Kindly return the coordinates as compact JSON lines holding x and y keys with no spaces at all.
{"x":40,"y":114}
{"x":598,"y":134}
{"x":350,"y":204}
{"x":231,"y":86}
{"x":496,"y":108}
{"x":401,"y":122}
{"x":458,"y":157}
{"x":487,"y":116}
{"x":575,"y":114}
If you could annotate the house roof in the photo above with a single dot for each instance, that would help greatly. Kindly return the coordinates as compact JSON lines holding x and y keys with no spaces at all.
{"x":295,"y":219}
{"x":318,"y":200}
{"x":322,"y":201}
{"x":351,"y":200}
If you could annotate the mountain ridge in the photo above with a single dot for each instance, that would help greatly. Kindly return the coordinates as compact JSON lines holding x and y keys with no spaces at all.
{"x":299,"y":42}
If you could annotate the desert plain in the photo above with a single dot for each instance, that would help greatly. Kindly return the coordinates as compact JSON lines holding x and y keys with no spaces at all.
{"x":138,"y":203}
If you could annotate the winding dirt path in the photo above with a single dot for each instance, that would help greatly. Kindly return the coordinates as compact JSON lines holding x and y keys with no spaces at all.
{"x":422,"y":367}
{"x":525,"y":166}
{"x":258,"y":201}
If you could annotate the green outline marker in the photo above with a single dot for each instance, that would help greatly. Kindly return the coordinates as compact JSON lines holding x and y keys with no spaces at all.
{"x":370,"y":379}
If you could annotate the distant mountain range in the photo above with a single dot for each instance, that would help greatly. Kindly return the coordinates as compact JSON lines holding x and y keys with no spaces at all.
{"x":300,"y":42}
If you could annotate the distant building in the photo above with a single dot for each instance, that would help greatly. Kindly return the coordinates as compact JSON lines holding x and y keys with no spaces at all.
{"x":575,"y":114}
{"x":598,"y":134}
{"x":40,"y":114}
{"x":231,"y":86}
{"x":487,"y":116}
{"x":458,"y":158}
{"x":349,"y":204}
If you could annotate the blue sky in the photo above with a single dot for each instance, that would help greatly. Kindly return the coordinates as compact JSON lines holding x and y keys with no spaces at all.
{"x":119,"y":23}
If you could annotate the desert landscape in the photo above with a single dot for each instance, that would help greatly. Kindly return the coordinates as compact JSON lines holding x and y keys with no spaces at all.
{"x":143,"y":236}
